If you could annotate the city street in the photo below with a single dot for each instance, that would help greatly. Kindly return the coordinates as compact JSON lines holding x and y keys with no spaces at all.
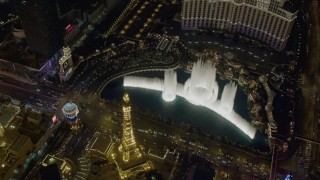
{"x":147,"y":35}
{"x":311,"y":89}
{"x":35,"y":99}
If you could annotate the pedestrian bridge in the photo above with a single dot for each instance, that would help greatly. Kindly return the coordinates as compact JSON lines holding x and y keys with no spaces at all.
{"x":307,"y":139}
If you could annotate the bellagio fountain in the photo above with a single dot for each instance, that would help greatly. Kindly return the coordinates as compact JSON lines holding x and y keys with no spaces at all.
{"x":200,"y":89}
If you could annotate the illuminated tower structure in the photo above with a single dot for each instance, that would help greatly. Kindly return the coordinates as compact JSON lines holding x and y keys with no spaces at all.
{"x":66,"y":64}
{"x":128,"y":145}
{"x":130,"y":160}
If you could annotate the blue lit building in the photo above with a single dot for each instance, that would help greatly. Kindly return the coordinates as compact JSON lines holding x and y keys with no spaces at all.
{"x":70,"y":111}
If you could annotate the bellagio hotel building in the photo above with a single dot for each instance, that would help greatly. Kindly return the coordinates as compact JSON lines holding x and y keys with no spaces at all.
{"x":263,"y":20}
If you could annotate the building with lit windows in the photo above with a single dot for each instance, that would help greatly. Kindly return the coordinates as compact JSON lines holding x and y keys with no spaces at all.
{"x":42,"y":26}
{"x":66,"y":64}
{"x":24,"y":136}
{"x":263,"y":20}
{"x":15,"y":156}
{"x":7,"y":114}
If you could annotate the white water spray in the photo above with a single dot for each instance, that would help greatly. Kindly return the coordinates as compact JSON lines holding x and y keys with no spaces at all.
{"x":200,"y":89}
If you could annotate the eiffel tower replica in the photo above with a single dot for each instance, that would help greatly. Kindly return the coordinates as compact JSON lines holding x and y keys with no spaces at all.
{"x":128,"y":145}
{"x":130,"y":161}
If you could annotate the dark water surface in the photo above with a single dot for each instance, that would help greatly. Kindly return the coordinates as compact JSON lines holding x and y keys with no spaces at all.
{"x":180,"y":110}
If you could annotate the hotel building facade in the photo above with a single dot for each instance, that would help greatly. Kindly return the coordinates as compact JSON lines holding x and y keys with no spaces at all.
{"x":42,"y":27}
{"x":263,"y":20}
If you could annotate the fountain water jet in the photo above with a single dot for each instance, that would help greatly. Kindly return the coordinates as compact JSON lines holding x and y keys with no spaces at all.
{"x":200,"y":89}
{"x":169,"y":86}
{"x":228,"y":96}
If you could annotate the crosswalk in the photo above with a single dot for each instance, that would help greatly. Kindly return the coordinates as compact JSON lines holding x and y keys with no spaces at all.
{"x":85,"y":165}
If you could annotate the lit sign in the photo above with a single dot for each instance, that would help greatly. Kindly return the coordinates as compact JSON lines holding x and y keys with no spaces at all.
{"x":69,"y":72}
{"x":69,"y":28}
{"x":54,"y":119}
{"x":289,"y":177}
{"x":69,"y":25}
